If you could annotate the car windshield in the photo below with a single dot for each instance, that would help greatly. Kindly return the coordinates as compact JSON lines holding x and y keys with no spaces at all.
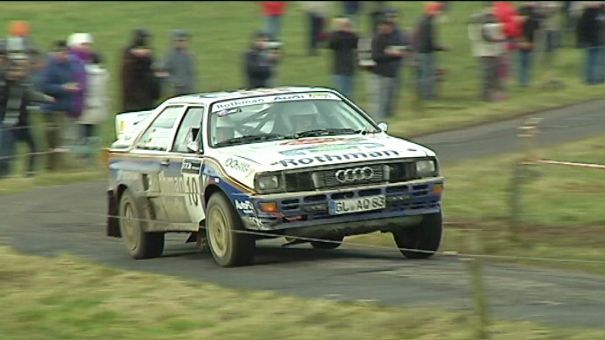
{"x":289,"y":116}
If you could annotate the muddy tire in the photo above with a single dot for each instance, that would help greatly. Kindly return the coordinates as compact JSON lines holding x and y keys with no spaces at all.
{"x":140,"y":244}
{"x":424,"y":238}
{"x":228,"y":245}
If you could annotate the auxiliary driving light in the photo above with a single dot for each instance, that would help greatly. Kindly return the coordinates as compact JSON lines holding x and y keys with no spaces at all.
{"x":438,"y":189}
{"x":268,"y":207}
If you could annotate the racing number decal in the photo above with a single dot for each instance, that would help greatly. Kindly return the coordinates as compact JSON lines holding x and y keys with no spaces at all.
{"x":190,"y":170}
{"x":193,"y":190}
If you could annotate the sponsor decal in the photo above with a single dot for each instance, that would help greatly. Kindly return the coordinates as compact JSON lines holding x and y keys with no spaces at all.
{"x":330,"y":148}
{"x":237,"y":165}
{"x":314,"y":141}
{"x":288,"y":97}
{"x":237,"y":103}
{"x":245,"y":207}
{"x":191,"y":166}
{"x":221,"y":106}
{"x":321,"y":159}
{"x":322,"y":95}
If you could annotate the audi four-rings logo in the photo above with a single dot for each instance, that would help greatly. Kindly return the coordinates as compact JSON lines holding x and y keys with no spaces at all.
{"x":354,"y":175}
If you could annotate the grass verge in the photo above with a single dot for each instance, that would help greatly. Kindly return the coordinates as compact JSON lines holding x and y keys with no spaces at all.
{"x":66,"y":298}
{"x":221,"y":32}
{"x":561,"y":208}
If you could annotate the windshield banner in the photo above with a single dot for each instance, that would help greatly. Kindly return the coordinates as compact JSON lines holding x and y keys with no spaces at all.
{"x":229,"y":104}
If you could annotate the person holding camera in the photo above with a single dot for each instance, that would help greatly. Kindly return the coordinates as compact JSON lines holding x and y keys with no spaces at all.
{"x":16,"y":94}
{"x":259,"y":61}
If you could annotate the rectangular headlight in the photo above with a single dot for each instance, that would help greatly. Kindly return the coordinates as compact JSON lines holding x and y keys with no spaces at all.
{"x":425,"y":168}
{"x":268,"y":183}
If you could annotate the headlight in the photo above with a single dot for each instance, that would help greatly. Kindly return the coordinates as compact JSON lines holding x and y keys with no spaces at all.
{"x":425,"y":168}
{"x":268,"y":182}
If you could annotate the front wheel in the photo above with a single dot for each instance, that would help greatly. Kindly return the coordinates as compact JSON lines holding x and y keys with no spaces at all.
{"x":140,"y":244}
{"x":422,"y":240}
{"x":224,"y":229}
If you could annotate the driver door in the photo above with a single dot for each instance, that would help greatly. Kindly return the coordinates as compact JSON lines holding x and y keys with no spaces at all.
{"x":186,"y":152}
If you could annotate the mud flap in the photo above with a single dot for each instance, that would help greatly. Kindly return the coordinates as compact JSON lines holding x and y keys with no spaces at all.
{"x":113,"y":226}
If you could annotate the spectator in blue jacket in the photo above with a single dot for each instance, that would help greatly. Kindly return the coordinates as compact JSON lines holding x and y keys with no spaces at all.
{"x":59,"y":82}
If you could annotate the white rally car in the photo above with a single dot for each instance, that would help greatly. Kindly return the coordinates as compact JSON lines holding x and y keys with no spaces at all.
{"x":303,"y":163}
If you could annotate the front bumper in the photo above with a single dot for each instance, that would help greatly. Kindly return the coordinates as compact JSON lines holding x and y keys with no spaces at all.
{"x":406,"y":203}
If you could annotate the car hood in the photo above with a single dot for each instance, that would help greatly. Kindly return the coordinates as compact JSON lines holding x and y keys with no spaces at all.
{"x":243,"y":161}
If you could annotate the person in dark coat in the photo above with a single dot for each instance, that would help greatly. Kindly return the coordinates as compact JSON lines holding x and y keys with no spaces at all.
{"x":590,"y":31}
{"x":16,"y":95}
{"x":387,"y":53}
{"x":425,"y":46}
{"x":530,"y":23}
{"x":343,"y":42}
{"x":140,"y":86}
{"x":259,"y":61}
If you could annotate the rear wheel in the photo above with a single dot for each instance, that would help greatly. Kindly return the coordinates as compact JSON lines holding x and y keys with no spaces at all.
{"x":228,"y":245}
{"x":330,"y":243}
{"x":140,"y":244}
{"x":423,"y":238}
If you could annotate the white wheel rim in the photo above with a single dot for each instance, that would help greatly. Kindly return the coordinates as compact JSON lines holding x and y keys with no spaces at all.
{"x":129,"y":227}
{"x":219,"y":233}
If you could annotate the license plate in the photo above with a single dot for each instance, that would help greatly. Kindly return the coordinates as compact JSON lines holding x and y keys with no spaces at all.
{"x":354,"y":205}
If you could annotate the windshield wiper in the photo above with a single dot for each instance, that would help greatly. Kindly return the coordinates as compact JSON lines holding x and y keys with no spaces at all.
{"x":250,"y":138}
{"x":326,"y":132}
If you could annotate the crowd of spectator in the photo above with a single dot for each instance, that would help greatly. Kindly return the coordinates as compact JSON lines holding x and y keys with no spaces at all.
{"x":69,"y":84}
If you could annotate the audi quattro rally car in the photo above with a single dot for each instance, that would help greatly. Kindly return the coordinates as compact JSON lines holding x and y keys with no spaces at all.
{"x":233,"y":167}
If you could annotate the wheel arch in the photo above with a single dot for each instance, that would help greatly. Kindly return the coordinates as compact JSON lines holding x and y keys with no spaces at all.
{"x":210,"y":190}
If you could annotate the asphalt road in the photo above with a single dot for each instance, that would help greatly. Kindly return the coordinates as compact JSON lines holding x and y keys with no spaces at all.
{"x":70,"y":219}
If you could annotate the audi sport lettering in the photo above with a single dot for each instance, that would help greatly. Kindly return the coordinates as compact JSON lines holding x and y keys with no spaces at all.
{"x":246,"y":174}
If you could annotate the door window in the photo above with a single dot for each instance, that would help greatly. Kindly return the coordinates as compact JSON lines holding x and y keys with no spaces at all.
{"x":159,"y":134}
{"x":189,"y":129}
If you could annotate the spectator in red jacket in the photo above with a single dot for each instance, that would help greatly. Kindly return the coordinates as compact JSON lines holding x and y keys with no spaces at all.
{"x":273,"y":11}
{"x":506,"y":13}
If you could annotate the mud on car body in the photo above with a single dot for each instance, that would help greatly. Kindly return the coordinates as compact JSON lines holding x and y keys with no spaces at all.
{"x":300,"y":162}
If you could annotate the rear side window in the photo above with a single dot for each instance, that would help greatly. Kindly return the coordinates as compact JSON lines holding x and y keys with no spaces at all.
{"x":159,"y":134}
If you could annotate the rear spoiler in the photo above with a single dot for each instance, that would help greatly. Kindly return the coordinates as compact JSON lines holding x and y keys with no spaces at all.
{"x":128,"y":124}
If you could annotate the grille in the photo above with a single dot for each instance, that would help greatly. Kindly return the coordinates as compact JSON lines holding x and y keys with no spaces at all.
{"x":325,"y":179}
{"x":299,"y":181}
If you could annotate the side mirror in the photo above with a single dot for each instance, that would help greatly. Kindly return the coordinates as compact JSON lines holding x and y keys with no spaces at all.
{"x":383,"y":126}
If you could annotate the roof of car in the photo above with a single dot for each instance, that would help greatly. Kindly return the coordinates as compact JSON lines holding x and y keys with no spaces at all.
{"x":211,"y":97}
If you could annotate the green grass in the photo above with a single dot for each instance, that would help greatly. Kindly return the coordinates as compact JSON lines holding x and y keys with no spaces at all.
{"x":561,"y":196}
{"x":562,"y":208}
{"x":66,"y":298}
{"x":222,"y":30}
